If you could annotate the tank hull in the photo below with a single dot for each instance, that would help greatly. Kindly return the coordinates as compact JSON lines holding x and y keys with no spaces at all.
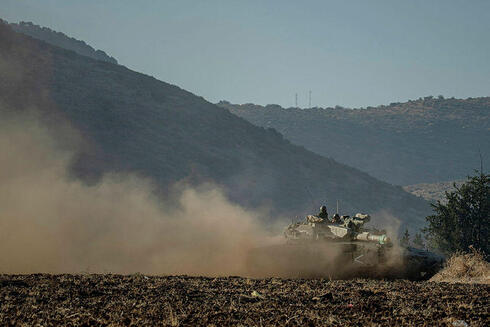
{"x":341,"y":260}
{"x":318,"y":247}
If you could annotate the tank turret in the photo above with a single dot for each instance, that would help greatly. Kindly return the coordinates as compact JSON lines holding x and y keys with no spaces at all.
{"x":348,"y":229}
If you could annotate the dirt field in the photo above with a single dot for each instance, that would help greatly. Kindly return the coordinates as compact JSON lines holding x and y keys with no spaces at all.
{"x":113,"y":300}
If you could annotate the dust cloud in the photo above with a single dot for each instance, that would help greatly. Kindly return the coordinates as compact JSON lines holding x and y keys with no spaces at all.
{"x":52,"y":223}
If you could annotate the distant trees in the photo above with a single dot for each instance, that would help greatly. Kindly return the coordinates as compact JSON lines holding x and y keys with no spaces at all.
{"x":418,"y":241}
{"x":405,"y":240}
{"x":464,"y":220}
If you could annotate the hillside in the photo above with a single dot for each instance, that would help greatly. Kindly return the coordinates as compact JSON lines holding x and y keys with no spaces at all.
{"x":134,"y":123}
{"x":421,"y":141}
{"x":433,"y":192}
{"x":61,"y":40}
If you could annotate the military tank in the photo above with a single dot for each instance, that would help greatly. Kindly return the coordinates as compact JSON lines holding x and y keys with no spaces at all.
{"x":318,"y":247}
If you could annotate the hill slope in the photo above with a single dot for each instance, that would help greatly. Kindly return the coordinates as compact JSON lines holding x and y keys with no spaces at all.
{"x":136,"y":123}
{"x":433,"y":192}
{"x":422,"y":141}
{"x":61,"y":40}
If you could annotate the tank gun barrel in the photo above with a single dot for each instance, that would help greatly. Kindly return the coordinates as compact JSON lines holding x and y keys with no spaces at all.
{"x":366,"y":236}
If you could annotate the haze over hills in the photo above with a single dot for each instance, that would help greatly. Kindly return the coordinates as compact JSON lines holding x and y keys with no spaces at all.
{"x":420,"y":141}
{"x":61,"y":40}
{"x":134,"y":123}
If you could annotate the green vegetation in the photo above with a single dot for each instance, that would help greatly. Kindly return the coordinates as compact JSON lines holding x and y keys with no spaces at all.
{"x":419,"y":141}
{"x":463,"y":221}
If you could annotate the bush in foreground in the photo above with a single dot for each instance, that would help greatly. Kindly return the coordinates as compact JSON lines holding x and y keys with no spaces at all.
{"x":462,"y":221}
{"x":465,"y":268}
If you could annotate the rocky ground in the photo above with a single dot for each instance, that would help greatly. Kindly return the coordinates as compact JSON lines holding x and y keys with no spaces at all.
{"x":138,"y":300}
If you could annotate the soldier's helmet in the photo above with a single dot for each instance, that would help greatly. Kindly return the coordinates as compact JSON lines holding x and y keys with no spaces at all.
{"x":336,"y":216}
{"x":323,"y":208}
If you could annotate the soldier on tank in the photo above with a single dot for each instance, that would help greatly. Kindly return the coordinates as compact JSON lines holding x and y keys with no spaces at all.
{"x":323,"y":212}
{"x":336,"y":219}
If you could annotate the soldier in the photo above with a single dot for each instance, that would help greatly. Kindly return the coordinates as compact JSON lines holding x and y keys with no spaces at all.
{"x":323,"y":212}
{"x":336,"y":219}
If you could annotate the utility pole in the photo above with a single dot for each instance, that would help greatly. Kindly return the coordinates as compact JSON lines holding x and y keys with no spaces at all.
{"x":309,"y":100}
{"x":296,"y":100}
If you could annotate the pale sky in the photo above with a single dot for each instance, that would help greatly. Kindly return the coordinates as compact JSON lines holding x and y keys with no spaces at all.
{"x":349,"y":53}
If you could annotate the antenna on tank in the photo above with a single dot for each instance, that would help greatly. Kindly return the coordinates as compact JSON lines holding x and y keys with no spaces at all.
{"x":311,"y":196}
{"x":337,"y":206}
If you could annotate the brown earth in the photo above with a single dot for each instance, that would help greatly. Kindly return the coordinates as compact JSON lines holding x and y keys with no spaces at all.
{"x":138,"y":300}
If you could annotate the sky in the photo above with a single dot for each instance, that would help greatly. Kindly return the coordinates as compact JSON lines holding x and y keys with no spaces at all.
{"x":348,"y":53}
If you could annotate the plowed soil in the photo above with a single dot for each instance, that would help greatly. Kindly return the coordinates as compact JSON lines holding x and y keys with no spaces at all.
{"x":138,"y":300}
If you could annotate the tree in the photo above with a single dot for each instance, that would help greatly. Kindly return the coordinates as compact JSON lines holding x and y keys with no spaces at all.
{"x":405,"y":240}
{"x":418,"y":241}
{"x":464,"y":219}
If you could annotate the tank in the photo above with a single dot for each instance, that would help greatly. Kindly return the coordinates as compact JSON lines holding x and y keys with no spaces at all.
{"x":318,"y":247}
{"x":347,"y":229}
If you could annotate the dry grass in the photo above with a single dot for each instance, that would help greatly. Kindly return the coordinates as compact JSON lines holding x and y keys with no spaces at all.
{"x":465,"y":268}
